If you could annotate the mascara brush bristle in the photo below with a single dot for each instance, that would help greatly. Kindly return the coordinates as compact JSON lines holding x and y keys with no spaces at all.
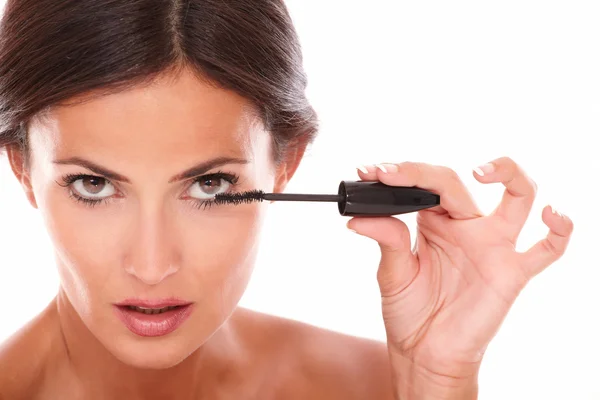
{"x":239,"y":198}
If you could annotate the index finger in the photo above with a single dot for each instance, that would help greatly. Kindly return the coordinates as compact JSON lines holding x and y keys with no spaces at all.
{"x":455,"y":199}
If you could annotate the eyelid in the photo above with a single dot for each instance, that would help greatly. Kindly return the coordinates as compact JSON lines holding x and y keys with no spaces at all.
{"x":232,"y":178}
{"x":69,"y":179}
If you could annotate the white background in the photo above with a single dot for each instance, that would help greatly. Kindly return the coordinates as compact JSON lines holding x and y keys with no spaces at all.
{"x":451,"y":83}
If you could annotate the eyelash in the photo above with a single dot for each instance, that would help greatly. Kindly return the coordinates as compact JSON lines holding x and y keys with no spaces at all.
{"x":69,"y":179}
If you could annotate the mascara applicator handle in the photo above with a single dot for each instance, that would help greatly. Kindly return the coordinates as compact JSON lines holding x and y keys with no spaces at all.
{"x":375,"y":199}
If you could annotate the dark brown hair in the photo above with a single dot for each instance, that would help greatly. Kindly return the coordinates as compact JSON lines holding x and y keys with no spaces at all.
{"x":51,"y":51}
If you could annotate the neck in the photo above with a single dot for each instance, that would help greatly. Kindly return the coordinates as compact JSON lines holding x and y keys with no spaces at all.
{"x":100,"y":372}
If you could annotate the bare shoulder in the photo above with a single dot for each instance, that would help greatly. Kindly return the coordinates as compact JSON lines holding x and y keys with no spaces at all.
{"x":316,"y":363}
{"x":23,"y":358}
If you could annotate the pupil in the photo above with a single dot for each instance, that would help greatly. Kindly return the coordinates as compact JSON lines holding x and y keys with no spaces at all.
{"x":93,"y":185}
{"x":211,"y":186}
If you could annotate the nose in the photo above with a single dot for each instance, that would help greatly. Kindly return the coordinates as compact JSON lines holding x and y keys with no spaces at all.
{"x":152,"y":255}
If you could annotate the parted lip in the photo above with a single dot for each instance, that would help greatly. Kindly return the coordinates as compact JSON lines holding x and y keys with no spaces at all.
{"x":153,"y":303}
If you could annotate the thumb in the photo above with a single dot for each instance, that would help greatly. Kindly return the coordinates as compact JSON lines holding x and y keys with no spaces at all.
{"x":398,"y":266}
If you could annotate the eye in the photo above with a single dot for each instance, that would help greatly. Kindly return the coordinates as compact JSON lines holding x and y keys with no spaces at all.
{"x":207,"y":187}
{"x":93,"y":187}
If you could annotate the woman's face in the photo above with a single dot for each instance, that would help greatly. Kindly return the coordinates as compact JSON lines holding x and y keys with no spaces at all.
{"x":147,"y":234}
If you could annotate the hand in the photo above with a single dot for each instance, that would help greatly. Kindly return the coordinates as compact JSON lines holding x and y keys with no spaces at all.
{"x":444,"y":300}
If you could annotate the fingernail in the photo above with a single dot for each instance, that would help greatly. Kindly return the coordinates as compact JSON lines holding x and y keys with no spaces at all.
{"x":390,"y":168}
{"x":363,"y":169}
{"x":382,"y":168}
{"x":555,"y":212}
{"x":484,"y":169}
{"x":387,"y":168}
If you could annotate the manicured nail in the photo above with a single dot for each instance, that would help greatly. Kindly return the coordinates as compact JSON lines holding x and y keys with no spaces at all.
{"x":484,"y":169}
{"x":363,"y":169}
{"x":388,"y":168}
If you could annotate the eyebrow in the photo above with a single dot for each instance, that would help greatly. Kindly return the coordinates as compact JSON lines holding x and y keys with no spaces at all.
{"x":196,"y":170}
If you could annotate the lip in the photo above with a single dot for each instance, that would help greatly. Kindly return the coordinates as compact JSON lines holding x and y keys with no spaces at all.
{"x":153,"y":303}
{"x":153,"y":325}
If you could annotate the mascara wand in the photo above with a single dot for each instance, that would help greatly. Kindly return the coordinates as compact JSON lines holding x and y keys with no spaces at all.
{"x":354,"y":198}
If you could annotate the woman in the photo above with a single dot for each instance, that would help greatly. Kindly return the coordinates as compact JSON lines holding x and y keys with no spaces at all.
{"x":123,"y":120}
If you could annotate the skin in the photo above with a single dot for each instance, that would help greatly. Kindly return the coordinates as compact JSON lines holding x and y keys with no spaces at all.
{"x":148,"y":241}
{"x":462,"y":276}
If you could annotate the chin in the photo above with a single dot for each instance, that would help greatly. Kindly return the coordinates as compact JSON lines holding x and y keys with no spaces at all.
{"x":151,"y":353}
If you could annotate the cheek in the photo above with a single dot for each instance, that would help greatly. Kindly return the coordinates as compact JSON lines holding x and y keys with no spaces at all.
{"x":219,"y":248}
{"x":213,"y":248}
{"x":82,"y":249}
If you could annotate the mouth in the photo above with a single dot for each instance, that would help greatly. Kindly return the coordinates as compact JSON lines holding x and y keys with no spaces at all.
{"x":153,"y":318}
{"x":151,"y":311}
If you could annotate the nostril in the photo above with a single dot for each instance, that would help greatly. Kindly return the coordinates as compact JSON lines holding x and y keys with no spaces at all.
{"x":151,"y":275}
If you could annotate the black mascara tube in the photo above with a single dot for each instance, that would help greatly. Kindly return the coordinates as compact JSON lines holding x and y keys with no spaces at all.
{"x":360,"y":198}
{"x":364,"y":198}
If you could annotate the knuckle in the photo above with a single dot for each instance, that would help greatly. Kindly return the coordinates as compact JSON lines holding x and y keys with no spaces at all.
{"x":412,"y":168}
{"x":570,"y":226}
{"x":450,"y":174}
{"x":533,"y":185}
{"x":506,"y":161}
{"x":557,"y":252}
{"x":517,"y":172}
{"x":507,"y":165}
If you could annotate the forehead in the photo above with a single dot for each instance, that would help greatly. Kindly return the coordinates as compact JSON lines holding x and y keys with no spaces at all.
{"x":181,"y":116}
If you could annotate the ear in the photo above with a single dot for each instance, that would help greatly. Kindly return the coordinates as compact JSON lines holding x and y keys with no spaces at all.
{"x":291,"y":160}
{"x":16,"y":160}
